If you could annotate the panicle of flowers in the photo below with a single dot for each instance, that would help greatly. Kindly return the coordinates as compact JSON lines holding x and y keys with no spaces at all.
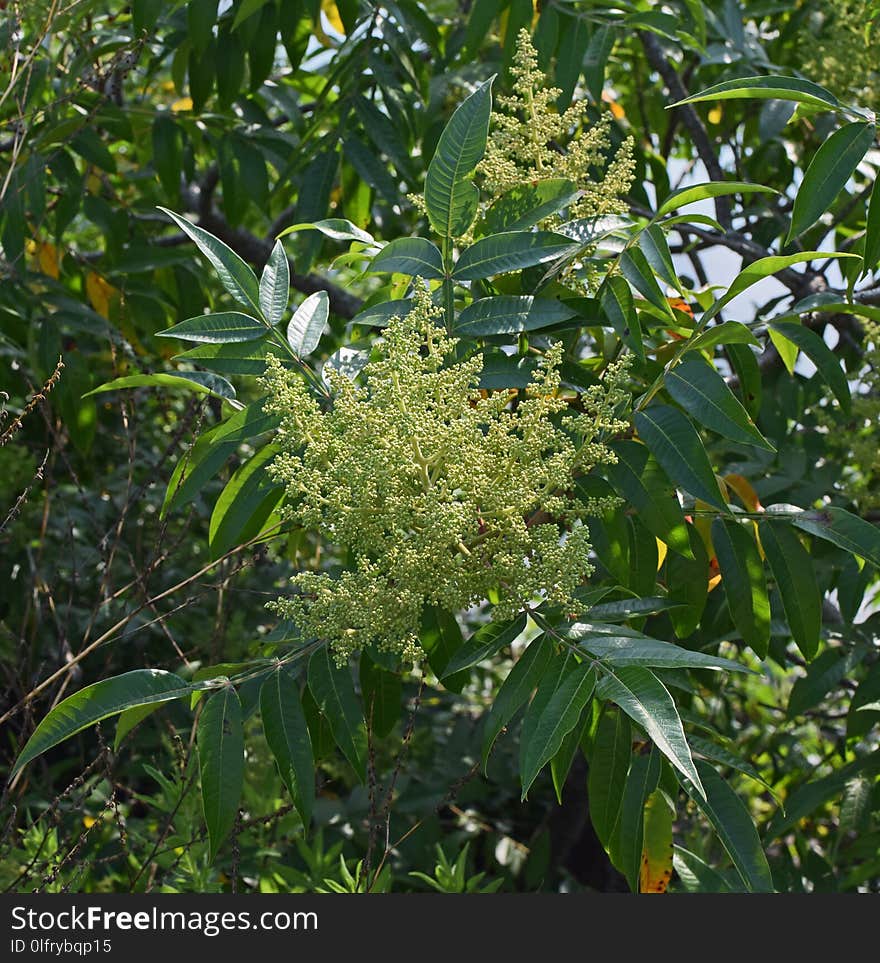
{"x":530,"y":140}
{"x":436,"y":493}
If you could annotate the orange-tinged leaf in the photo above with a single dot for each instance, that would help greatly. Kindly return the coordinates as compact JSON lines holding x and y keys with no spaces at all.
{"x":656,"y":866}
{"x":47,"y":258}
{"x":679,"y":304}
{"x":743,"y":487}
{"x":99,"y":293}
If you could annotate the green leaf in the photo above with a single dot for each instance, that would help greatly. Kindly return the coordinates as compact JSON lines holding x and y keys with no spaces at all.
{"x":415,"y":256}
{"x":696,"y":875}
{"x":629,"y":608}
{"x":525,"y":675}
{"x":284,"y":725}
{"x":864,"y":709}
{"x":484,"y":643}
{"x":510,"y":314}
{"x":729,"y":332}
{"x":382,"y":693}
{"x":560,"y":764}
{"x":129,"y":719}
{"x":227,"y":326}
{"x":211,"y":452}
{"x":735,"y":828}
{"x":745,"y":587}
{"x":510,"y":251}
{"x":676,"y":445}
{"x":333,"y":691}
{"x":625,"y":849}
{"x":825,"y":673}
{"x":525,"y":205}
{"x":645,"y":699}
{"x":652,"y":242}
{"x":609,"y":764}
{"x":336,"y":228}
{"x":450,"y":198}
{"x":236,"y":357}
{"x":871,"y":253}
{"x":701,"y":192}
{"x":199,"y":381}
{"x":687,"y":581}
{"x":847,"y":531}
{"x":98,"y":701}
{"x":821,"y":355}
{"x":702,"y":392}
{"x":553,"y":721}
{"x":620,"y":309}
{"x":238,"y":279}
{"x":830,"y":169}
{"x":244,"y":504}
{"x":767,"y":88}
{"x":716,"y":753}
{"x":760,"y":269}
{"x":635,"y":268}
{"x":620,"y":650}
{"x":378,"y":315}
{"x":220,"y":739}
{"x":275,"y":285}
{"x":792,"y":568}
{"x":639,"y":478}
{"x":307,"y":324}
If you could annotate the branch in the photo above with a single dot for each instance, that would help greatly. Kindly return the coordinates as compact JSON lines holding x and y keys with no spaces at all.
{"x":691,"y":120}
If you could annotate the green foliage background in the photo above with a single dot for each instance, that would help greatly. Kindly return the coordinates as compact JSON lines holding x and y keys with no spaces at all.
{"x":140,"y":528}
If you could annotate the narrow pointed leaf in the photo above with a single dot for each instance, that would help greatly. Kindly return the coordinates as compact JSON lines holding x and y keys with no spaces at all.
{"x":510,"y":251}
{"x":227,"y":326}
{"x":645,"y":699}
{"x":609,"y":764}
{"x":745,"y":586}
{"x":871,"y":253}
{"x":275,"y":285}
{"x":827,"y":364}
{"x":767,"y":88}
{"x":655,"y":871}
{"x":485,"y":643}
{"x":687,"y":582}
{"x":676,"y":445}
{"x":730,"y":332}
{"x":620,"y":309}
{"x":625,"y":846}
{"x":516,"y":690}
{"x":525,"y":205}
{"x":702,"y":392}
{"x":441,"y":638}
{"x":336,"y":228}
{"x":847,"y":531}
{"x":556,"y":719}
{"x":620,"y":650}
{"x":830,"y":169}
{"x":700,"y":192}
{"x":235,"y":275}
{"x":763,"y":268}
{"x":307,"y":324}
{"x":792,"y":568}
{"x":415,"y":256}
{"x":450,"y":198}
{"x":735,"y":828}
{"x":635,"y":268}
{"x":202,"y":382}
{"x":639,"y":478}
{"x":382,"y":693}
{"x":333,"y":690}
{"x":823,"y":676}
{"x":284,"y":725}
{"x":220,"y":739}
{"x":98,"y":701}
{"x":510,"y":314}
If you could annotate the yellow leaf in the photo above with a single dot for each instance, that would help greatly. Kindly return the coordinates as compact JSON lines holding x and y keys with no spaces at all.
{"x":181,"y":105}
{"x":661,"y":554}
{"x":656,"y":868}
{"x":47,"y":258}
{"x":332,"y":14}
{"x":715,"y":115}
{"x":99,"y":293}
{"x":743,"y":487}
{"x":89,"y":821}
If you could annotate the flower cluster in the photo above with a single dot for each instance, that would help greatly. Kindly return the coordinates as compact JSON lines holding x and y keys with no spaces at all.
{"x":531,"y":140}
{"x":436,"y":493}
